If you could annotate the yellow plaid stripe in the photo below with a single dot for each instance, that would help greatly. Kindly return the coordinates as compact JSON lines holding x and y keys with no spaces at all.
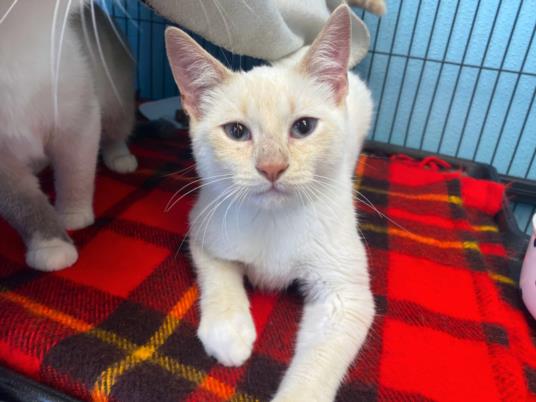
{"x":360,"y":171}
{"x":107,"y":379}
{"x":436,"y":243}
{"x":453,"y":199}
{"x":502,"y":279}
{"x":485,"y":228}
{"x":189,"y":373}
{"x":44,"y":311}
{"x":430,"y":241}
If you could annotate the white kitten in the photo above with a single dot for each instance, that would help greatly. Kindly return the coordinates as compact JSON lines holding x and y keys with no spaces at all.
{"x":276,"y":148}
{"x":55,"y":98}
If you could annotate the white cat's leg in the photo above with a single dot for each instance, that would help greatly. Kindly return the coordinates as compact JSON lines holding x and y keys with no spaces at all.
{"x":27,"y":209}
{"x":117,"y":157}
{"x":115,"y":152}
{"x":226,"y":329}
{"x":74,"y":158}
{"x":333,"y":328}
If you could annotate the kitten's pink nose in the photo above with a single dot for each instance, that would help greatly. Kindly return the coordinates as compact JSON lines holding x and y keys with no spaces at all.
{"x":272,"y":171}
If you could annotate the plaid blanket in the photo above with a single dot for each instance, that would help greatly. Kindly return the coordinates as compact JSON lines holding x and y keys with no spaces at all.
{"x":120,"y":325}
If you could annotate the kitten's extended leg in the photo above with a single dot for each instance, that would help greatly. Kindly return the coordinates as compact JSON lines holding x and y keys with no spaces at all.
{"x":226,"y":329}
{"x":74,"y":158}
{"x":28,"y":210}
{"x":115,"y":152}
{"x":334,"y":326}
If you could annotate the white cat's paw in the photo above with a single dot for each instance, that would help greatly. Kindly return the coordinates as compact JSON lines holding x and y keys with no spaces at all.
{"x":228,"y":337}
{"x":123,"y":163}
{"x":74,"y":220}
{"x":51,"y":255}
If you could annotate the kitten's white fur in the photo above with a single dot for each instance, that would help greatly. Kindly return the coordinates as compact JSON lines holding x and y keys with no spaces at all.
{"x":241,"y":227}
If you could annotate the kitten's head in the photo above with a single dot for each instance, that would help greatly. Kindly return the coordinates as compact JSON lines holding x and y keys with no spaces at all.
{"x":271,"y":133}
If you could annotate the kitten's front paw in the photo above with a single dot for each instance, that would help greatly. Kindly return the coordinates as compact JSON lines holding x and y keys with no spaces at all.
{"x":301,"y":396}
{"x":125,"y":163}
{"x":228,"y":337}
{"x":51,"y":255}
{"x":74,"y":220}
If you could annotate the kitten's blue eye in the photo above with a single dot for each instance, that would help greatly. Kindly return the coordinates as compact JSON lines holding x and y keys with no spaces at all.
{"x":237,"y":131}
{"x":303,"y":127}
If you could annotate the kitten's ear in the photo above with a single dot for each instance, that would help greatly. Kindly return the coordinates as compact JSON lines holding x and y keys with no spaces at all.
{"x":195,"y":71}
{"x":327,"y":59}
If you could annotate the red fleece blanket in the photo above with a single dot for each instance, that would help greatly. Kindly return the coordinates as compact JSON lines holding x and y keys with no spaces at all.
{"x":120,"y":325}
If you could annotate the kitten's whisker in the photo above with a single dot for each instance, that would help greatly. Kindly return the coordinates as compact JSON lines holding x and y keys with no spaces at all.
{"x":210,"y":215}
{"x":186,"y":169}
{"x":85,"y":31}
{"x":207,"y":19}
{"x":311,"y":201}
{"x":233,"y":200}
{"x":8,"y":11}
{"x":101,"y":56}
{"x":371,"y":205}
{"x":53,"y":80}
{"x":125,"y":11}
{"x":240,"y":202}
{"x":330,"y":203}
{"x":179,"y":177}
{"x":355,"y":194}
{"x":208,"y":180}
{"x":300,"y":196}
{"x":200,"y":215}
{"x":116,"y":32}
{"x":60,"y":48}
{"x":193,"y":223}
{"x":245,"y":3}
{"x":332,"y":183}
{"x":172,"y":202}
{"x":226,"y":25}
{"x":182,"y":242}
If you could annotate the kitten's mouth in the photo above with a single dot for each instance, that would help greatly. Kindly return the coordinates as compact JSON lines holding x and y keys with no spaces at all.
{"x":274,"y":189}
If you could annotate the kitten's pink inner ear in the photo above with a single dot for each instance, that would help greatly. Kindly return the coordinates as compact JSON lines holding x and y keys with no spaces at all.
{"x":195,"y":71}
{"x":327,"y":59}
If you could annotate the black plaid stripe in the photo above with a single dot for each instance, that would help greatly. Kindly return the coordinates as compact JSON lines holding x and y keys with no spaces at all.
{"x":262,"y":377}
{"x":97,"y":355}
{"x":138,"y":385}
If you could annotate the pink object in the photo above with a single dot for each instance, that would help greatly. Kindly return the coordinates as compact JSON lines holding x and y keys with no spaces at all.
{"x":527,"y":281}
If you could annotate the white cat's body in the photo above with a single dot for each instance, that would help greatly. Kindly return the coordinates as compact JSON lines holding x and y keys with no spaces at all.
{"x":276,"y":149}
{"x":53,"y":109}
{"x":27,"y":112}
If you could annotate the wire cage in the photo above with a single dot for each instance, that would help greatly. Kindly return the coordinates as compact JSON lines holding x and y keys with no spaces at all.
{"x":452,"y":77}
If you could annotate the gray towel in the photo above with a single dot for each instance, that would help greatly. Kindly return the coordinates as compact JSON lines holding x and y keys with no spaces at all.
{"x":265,"y":29}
